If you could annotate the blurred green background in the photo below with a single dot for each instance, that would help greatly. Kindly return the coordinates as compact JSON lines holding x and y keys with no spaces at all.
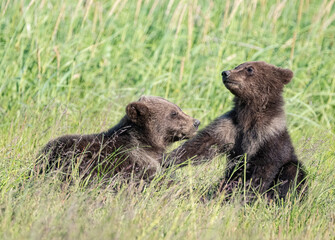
{"x":73,"y":66}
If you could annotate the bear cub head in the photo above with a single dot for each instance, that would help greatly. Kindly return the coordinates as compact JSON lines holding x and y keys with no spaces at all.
{"x":252,"y":80}
{"x":163,"y":121}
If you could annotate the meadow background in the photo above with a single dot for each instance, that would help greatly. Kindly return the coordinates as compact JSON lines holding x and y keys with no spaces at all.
{"x":72,"y":67}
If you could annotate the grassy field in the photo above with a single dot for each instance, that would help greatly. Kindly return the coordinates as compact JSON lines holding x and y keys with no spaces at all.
{"x":72,"y":67}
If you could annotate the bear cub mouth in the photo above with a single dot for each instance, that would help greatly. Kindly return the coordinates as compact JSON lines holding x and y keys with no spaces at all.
{"x":225,"y":81}
{"x":230,"y":83}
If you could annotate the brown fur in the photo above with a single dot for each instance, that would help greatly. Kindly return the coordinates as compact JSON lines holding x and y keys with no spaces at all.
{"x":255,"y":127}
{"x":134,"y":147}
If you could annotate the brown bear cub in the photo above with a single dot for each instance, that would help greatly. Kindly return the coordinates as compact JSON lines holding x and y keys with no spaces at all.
{"x":253,"y":134}
{"x":132,"y":148}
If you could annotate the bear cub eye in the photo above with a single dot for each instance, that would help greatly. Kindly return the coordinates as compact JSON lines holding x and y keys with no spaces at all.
{"x":250,"y":70}
{"x":174,"y":114}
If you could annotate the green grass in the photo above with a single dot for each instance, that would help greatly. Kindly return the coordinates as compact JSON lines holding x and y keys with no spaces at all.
{"x":72,"y":67}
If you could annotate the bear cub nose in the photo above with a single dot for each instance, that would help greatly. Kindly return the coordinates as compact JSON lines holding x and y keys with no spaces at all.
{"x":225,"y":74}
{"x":196,"y":123}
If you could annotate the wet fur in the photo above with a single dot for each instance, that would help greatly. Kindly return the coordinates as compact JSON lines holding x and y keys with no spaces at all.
{"x":255,"y":128}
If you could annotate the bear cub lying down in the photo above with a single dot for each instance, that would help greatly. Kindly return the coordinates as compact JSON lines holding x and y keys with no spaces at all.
{"x":132,"y":148}
{"x":255,"y":128}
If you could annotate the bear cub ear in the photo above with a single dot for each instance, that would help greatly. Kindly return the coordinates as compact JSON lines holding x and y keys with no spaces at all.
{"x":137,"y":112}
{"x":285,"y":75}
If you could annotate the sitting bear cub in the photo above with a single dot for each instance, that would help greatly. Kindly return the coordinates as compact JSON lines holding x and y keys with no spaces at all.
{"x":253,"y":134}
{"x":134,"y":147}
